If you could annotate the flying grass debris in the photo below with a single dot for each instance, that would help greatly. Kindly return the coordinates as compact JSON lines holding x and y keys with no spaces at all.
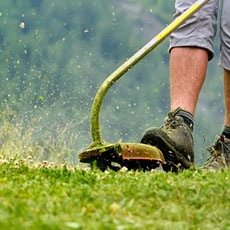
{"x":22,"y":25}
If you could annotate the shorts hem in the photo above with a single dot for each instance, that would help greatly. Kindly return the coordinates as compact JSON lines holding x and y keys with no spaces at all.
{"x":192,"y":42}
{"x":223,"y":65}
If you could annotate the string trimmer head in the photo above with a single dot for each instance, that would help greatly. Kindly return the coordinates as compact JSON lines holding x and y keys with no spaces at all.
{"x":131,"y":155}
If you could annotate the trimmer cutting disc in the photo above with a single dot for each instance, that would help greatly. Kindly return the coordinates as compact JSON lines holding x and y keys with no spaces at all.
{"x":131,"y":155}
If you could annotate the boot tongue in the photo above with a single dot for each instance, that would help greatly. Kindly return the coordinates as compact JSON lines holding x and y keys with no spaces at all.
{"x":188,"y":118}
{"x":173,"y":121}
{"x":179,"y":117}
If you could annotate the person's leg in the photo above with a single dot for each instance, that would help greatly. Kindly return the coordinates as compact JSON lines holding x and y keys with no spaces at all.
{"x":191,"y":46}
{"x":227,"y":97}
{"x":224,"y":60}
{"x":220,"y":150}
{"x":188,"y":67}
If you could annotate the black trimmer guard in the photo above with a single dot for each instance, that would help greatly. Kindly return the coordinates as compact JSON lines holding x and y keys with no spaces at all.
{"x":131,"y":155}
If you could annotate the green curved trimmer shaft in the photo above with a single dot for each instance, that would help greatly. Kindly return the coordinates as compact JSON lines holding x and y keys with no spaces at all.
{"x":95,"y":125}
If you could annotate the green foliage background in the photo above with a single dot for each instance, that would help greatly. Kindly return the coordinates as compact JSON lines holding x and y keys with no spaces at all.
{"x":51,"y":69}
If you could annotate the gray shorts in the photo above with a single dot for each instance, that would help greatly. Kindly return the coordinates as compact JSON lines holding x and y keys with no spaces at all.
{"x":200,"y":29}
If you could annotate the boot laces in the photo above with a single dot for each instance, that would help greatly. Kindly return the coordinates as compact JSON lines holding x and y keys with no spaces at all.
{"x":173,"y":121}
{"x":220,"y":148}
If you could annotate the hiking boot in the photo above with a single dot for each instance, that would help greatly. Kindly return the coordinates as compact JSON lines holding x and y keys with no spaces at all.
{"x":175,"y":140}
{"x":220,"y":154}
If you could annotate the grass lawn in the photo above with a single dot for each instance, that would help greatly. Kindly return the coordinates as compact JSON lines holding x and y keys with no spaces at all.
{"x":44,"y":197}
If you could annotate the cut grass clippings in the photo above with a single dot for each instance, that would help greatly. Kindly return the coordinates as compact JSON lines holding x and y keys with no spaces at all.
{"x":39,"y":197}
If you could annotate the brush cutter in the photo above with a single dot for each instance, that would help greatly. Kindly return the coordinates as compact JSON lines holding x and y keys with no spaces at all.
{"x":131,"y":155}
